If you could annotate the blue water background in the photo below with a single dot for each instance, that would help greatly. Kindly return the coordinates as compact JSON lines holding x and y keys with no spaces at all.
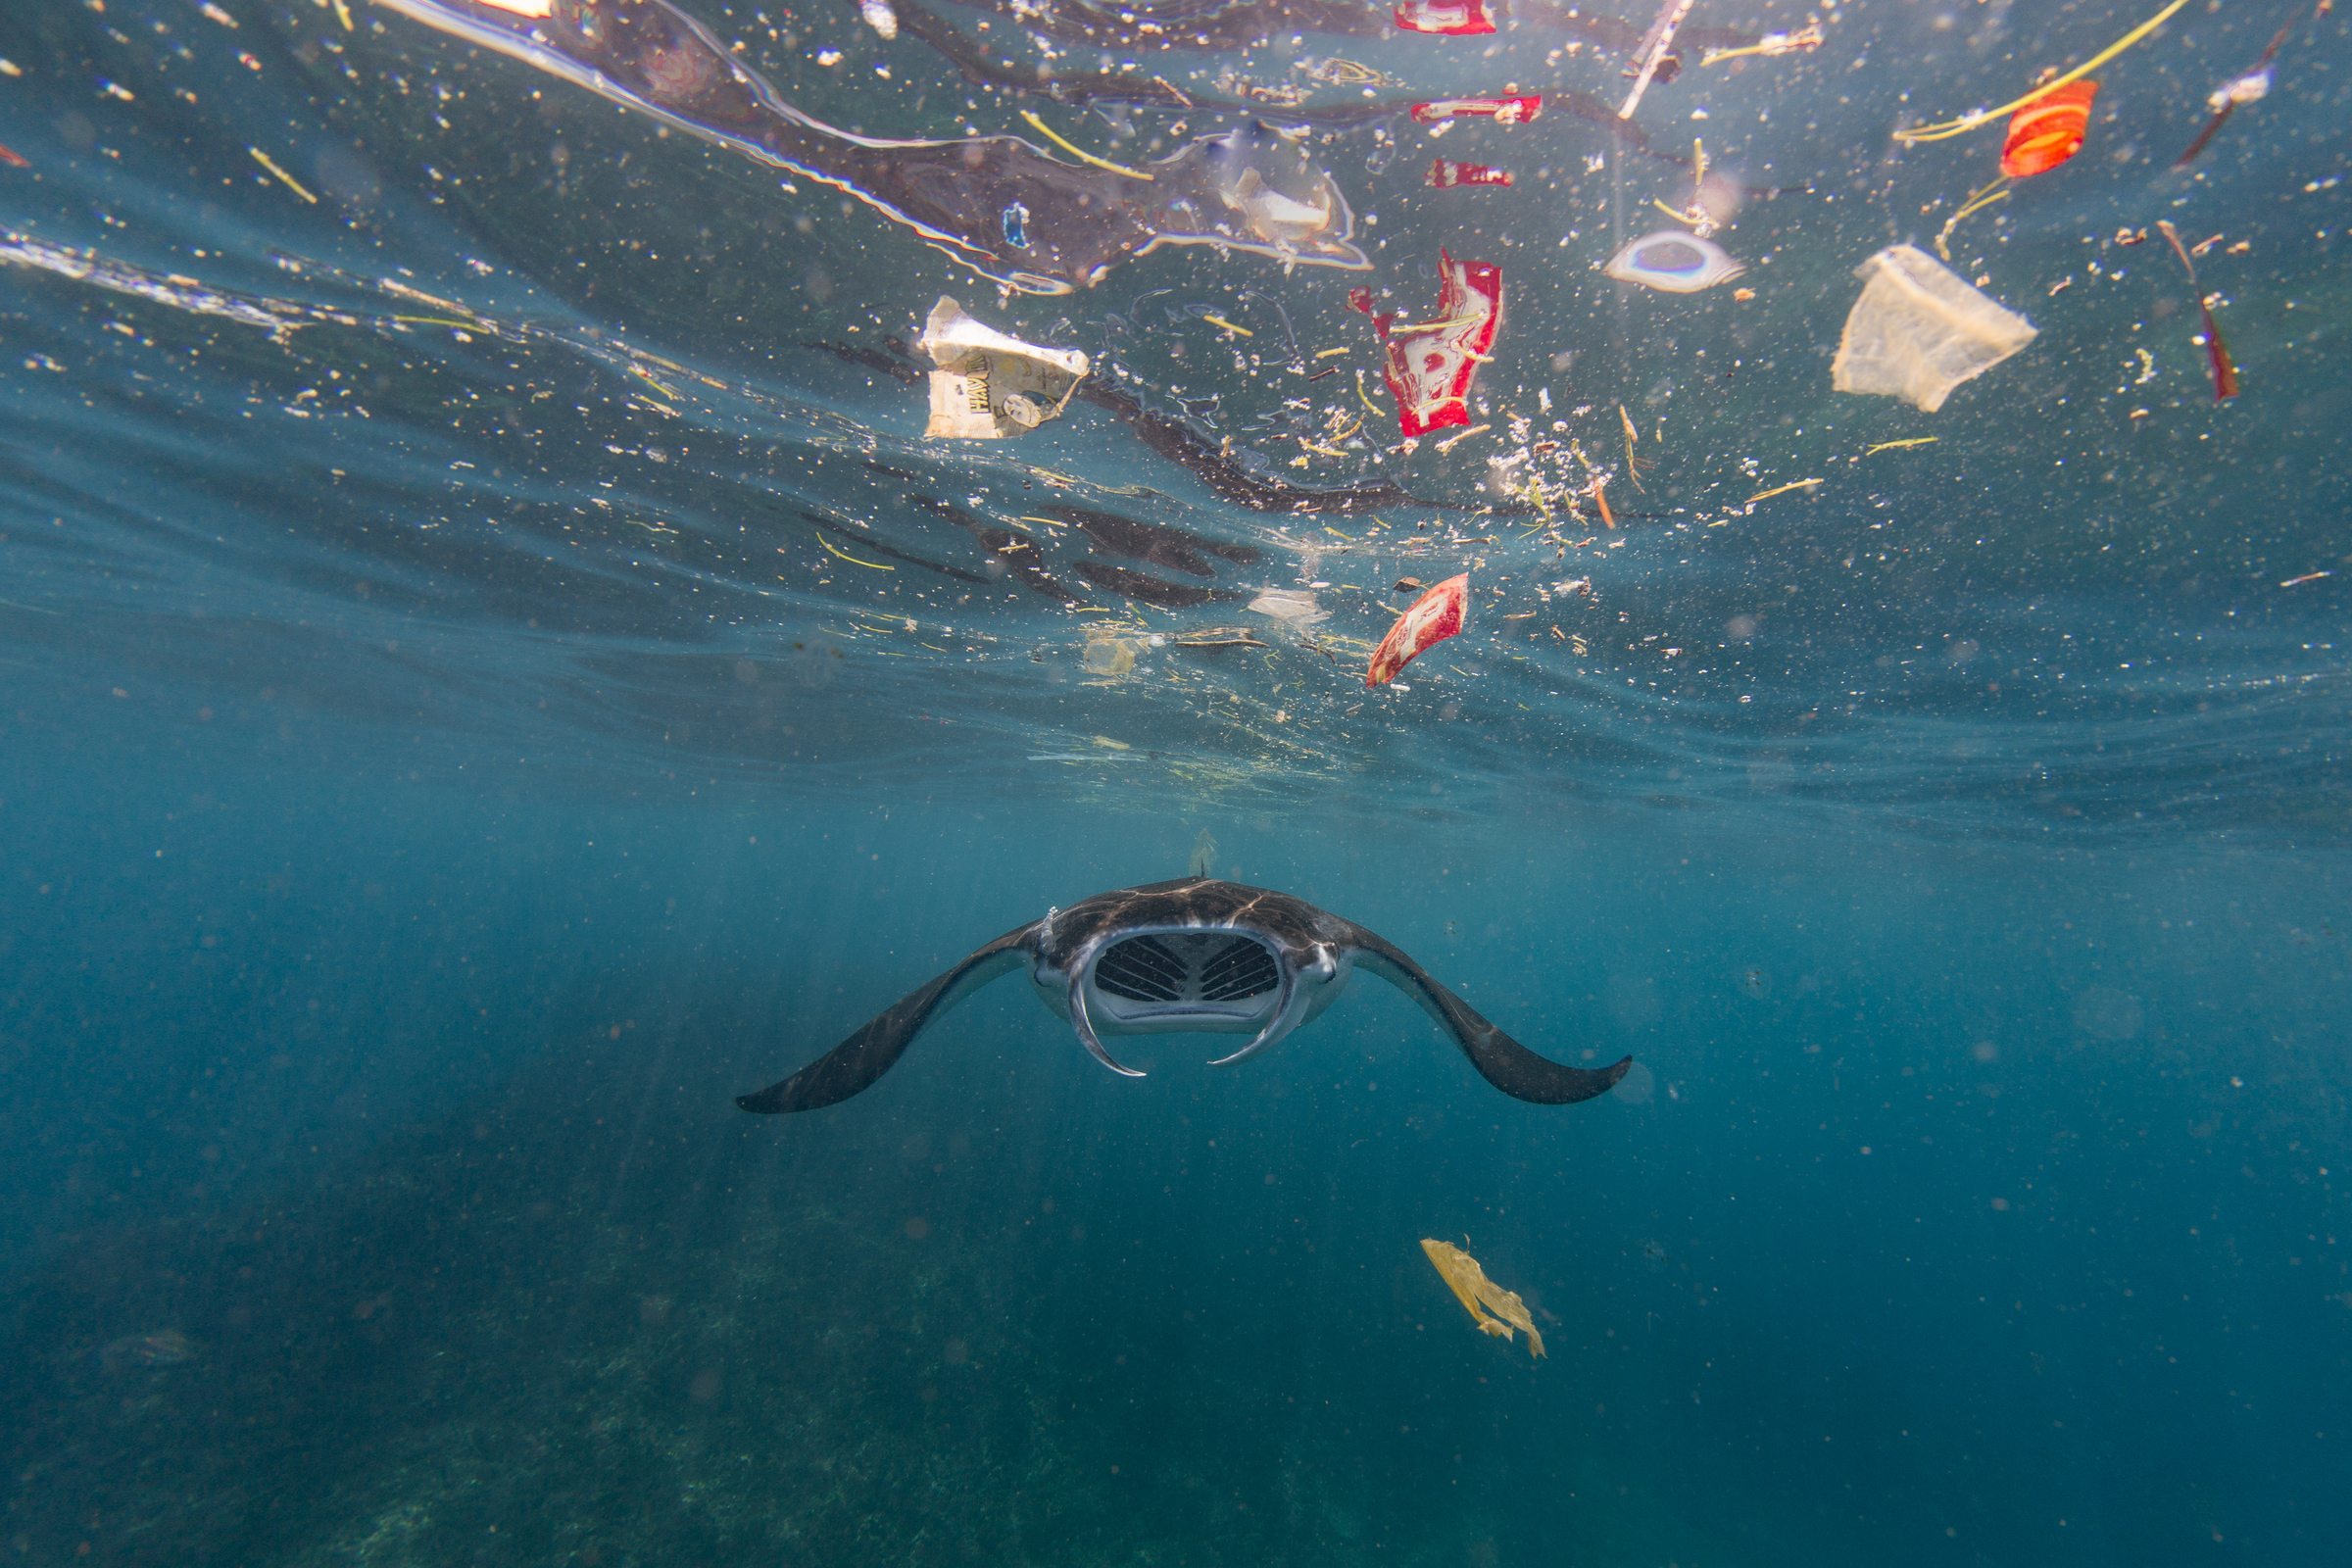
{"x":374,"y":1064}
{"x":420,"y":823}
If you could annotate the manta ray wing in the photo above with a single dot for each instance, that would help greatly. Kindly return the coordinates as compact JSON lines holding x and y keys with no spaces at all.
{"x":1063,"y":949}
{"x":868,"y":1055}
{"x":1502,"y":1061}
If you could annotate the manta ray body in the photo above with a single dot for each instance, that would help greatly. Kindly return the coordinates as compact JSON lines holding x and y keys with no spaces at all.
{"x":1193,"y":955}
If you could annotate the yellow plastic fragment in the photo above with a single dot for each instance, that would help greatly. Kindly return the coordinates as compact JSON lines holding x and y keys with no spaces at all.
{"x":1403,"y":327}
{"x":392,"y":286}
{"x":1219,"y":321}
{"x":1776,"y":43}
{"x":853,"y":559}
{"x":1483,"y":1295}
{"x":1801,"y":484}
{"x":1080,"y":153}
{"x":1978,"y":201}
{"x":647,"y":376}
{"x":291,"y":183}
{"x":1915,"y":441}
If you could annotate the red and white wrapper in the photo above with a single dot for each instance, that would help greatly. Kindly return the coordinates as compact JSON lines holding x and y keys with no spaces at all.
{"x":1445,"y":172}
{"x":1502,"y":111}
{"x":1429,"y":366}
{"x":1435,"y":617}
{"x":1455,"y":18}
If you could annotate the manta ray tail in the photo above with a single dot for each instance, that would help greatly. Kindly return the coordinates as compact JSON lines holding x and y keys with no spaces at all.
{"x":870,"y":1053}
{"x":1499,"y":1060}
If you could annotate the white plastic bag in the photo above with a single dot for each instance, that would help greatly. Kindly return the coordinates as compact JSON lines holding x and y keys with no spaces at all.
{"x":1920,"y":330}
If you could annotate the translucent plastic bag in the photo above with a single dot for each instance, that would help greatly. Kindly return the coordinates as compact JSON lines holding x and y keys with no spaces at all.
{"x":1919,"y":331}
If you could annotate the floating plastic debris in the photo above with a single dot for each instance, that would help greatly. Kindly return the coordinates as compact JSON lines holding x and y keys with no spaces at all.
{"x":2047,"y":131}
{"x":1455,"y":18}
{"x":1432,"y":364}
{"x":1651,"y":58}
{"x":880,"y":16}
{"x":1482,"y":1296}
{"x":1961,"y":126}
{"x":1502,"y":111}
{"x":1804,"y":38}
{"x":1294,"y":606}
{"x":1108,"y":653}
{"x":1251,"y":189}
{"x":1675,"y":263}
{"x":1444,"y":173}
{"x":1434,"y":616}
{"x":1279,"y":219}
{"x":1920,"y":330}
{"x":1212,"y":638}
{"x":2248,"y":87}
{"x":988,"y":386}
{"x":1339,"y":72}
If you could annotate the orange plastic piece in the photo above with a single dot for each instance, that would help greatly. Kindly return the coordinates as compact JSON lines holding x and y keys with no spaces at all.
{"x":2047,"y":131}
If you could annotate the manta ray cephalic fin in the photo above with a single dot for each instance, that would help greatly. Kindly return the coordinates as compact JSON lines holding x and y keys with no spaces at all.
{"x":1287,"y":1007}
{"x":1084,"y":1024}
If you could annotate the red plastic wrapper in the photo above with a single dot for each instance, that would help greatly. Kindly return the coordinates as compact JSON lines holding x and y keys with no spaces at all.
{"x":1431,"y":364}
{"x":1435,"y":617}
{"x":1502,"y":111}
{"x":1455,"y":18}
{"x":1445,"y":172}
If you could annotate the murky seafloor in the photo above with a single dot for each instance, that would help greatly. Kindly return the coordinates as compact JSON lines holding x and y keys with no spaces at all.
{"x":508,"y":643}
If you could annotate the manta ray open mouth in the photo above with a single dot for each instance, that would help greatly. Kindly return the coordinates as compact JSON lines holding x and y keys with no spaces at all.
{"x":1213,"y":967}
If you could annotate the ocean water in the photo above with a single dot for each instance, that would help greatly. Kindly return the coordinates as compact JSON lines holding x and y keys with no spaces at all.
{"x":493,"y":668}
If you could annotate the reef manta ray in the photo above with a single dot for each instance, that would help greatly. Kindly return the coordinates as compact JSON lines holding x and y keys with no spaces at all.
{"x":1192,"y":956}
